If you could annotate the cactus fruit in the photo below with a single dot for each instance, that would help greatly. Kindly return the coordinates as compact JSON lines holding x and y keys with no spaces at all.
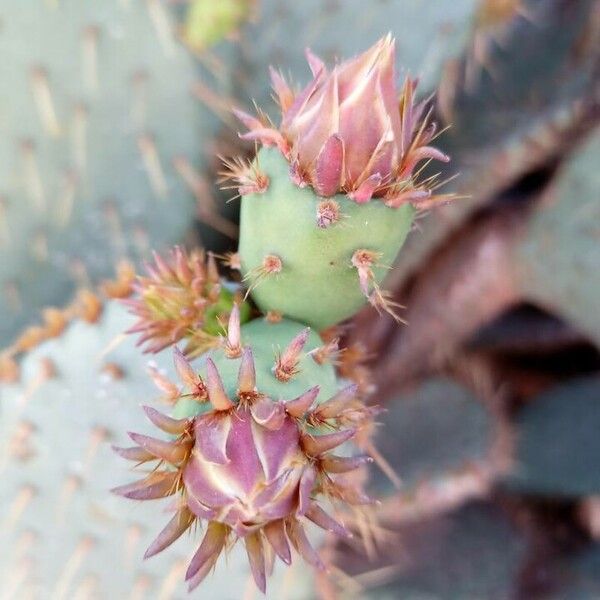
{"x":100,"y":139}
{"x":62,"y":531}
{"x":336,"y":194}
{"x":246,"y":461}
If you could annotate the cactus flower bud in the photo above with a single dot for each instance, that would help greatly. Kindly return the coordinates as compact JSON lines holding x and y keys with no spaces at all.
{"x":351,"y":131}
{"x":251,"y":466}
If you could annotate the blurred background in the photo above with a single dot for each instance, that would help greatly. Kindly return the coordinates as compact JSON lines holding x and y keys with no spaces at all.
{"x":112,"y":117}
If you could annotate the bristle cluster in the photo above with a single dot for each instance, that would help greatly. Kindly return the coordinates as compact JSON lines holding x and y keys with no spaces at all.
{"x":346,"y":132}
{"x":180,"y":298}
{"x":251,"y":466}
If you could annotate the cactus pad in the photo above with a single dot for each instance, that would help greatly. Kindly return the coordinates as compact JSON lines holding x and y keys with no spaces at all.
{"x":100,"y":137}
{"x":63,"y":532}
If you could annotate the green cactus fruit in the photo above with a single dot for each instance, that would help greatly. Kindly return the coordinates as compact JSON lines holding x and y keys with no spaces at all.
{"x":101,"y":140}
{"x":269,"y":341}
{"x":62,"y":531}
{"x":558,"y":443}
{"x":558,"y":258}
{"x":207,"y":22}
{"x":324,"y":216}
{"x":315,"y":241}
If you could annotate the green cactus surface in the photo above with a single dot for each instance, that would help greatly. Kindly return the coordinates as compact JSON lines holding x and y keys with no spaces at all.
{"x":99,"y":137}
{"x":435,"y":429}
{"x":267,"y":340}
{"x":63,"y":534}
{"x":558,"y":443}
{"x":317,"y":283}
{"x":559,"y":257}
{"x":475,"y":552}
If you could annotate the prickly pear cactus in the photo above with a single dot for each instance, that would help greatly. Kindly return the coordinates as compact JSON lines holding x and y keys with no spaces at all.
{"x":559,"y":255}
{"x":557,"y":434}
{"x":63,"y":532}
{"x":264,"y":437}
{"x":100,"y":140}
{"x":253,"y":432}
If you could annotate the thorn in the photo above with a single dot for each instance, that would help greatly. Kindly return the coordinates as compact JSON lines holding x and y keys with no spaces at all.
{"x":247,"y":374}
{"x":243,"y":176}
{"x":286,"y":365}
{"x":139,"y":83}
{"x":147,"y":147}
{"x":71,"y":567}
{"x":66,"y":201}
{"x":328,"y":353}
{"x":315,"y":445}
{"x":98,"y":436}
{"x":79,"y":138}
{"x":162,"y":25}
{"x":271,"y":265}
{"x":363,"y":260}
{"x":132,"y":539}
{"x":44,"y":102}
{"x":70,"y":486}
{"x":33,"y":180}
{"x":216,"y":392}
{"x":299,"y":406}
{"x":90,"y":36}
{"x":22,"y":500}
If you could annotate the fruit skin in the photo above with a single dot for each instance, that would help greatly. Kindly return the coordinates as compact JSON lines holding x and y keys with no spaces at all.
{"x":317,"y":284}
{"x":267,"y":340}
